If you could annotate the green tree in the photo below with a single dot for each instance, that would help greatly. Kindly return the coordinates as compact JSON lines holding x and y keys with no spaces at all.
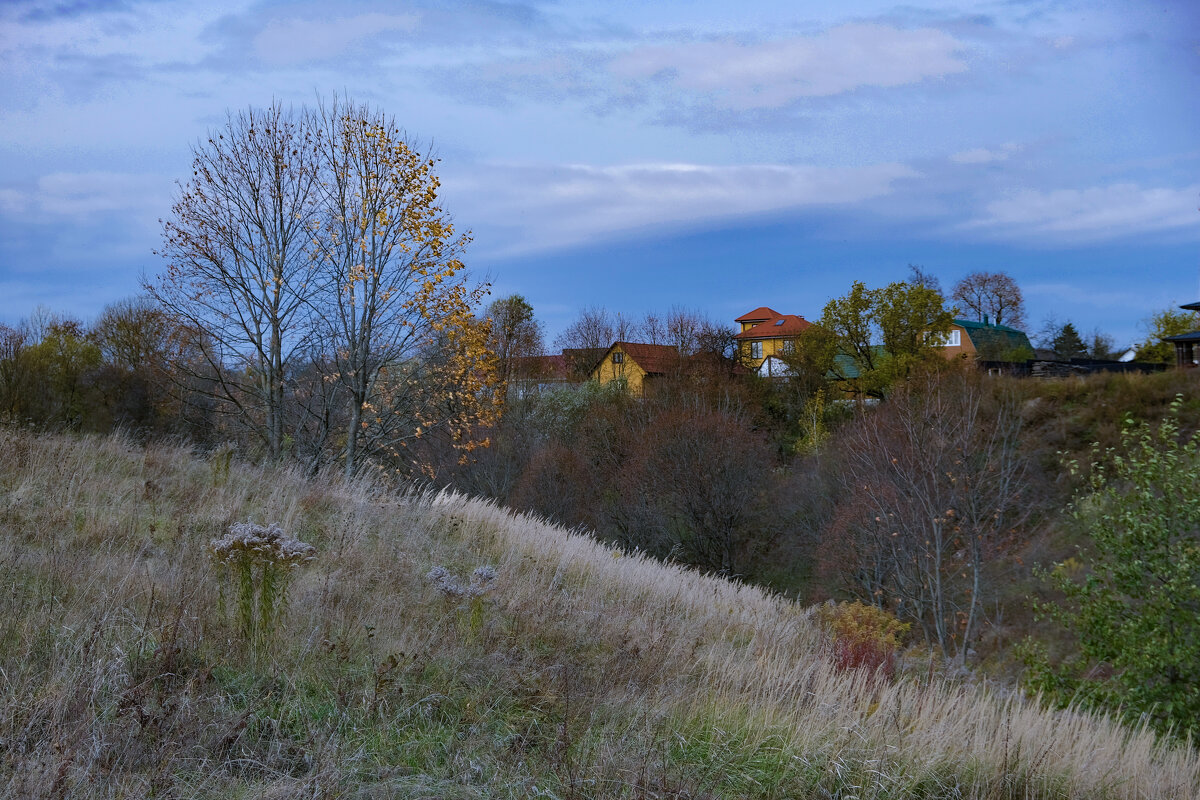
{"x":1068,"y":343}
{"x":883,"y":334}
{"x":59,"y":363}
{"x":1134,"y":602}
{"x":1166,"y":323}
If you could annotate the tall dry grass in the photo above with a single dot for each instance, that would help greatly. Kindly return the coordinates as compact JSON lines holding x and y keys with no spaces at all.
{"x":583,"y":671}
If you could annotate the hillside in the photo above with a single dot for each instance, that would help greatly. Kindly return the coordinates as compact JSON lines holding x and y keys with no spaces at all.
{"x":581,"y":672}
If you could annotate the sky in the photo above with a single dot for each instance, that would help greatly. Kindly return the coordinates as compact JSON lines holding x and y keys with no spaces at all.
{"x":714,"y":156}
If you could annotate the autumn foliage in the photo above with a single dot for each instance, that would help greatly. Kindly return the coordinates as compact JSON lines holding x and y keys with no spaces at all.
{"x":864,"y":637}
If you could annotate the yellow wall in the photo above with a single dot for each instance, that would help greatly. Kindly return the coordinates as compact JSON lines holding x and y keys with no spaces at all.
{"x":771,"y":347}
{"x":608,"y":371}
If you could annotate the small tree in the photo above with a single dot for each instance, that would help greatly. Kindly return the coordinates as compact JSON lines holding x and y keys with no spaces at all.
{"x":1136,"y":606}
{"x":1162,"y":324}
{"x":1068,"y":343}
{"x":515,"y":334}
{"x":931,"y":487}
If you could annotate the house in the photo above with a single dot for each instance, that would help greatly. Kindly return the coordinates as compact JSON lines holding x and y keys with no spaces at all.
{"x":984,"y":341}
{"x":632,"y":364}
{"x":1185,"y":343}
{"x":766,"y":333}
{"x":637,"y":366}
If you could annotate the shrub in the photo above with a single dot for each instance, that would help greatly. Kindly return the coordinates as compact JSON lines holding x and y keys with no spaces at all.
{"x":864,"y":637}
{"x":1133,"y":602}
{"x":258,"y":561}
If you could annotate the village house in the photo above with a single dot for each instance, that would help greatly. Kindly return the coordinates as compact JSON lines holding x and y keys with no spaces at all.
{"x":984,"y":341}
{"x":767,"y":334}
{"x":1185,"y":343}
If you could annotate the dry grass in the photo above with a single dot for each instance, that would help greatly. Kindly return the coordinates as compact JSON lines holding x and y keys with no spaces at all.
{"x":583,"y":672}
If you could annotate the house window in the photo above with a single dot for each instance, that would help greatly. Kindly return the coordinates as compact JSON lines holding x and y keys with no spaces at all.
{"x":618,"y":357}
{"x":952,"y":339}
{"x":756,"y":349}
{"x":789,"y":346}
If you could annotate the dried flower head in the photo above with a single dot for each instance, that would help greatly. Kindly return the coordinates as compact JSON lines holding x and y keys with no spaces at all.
{"x":452,"y":586}
{"x":248,"y":542}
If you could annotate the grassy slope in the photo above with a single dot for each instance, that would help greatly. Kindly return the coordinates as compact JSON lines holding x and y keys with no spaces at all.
{"x":586,"y":673}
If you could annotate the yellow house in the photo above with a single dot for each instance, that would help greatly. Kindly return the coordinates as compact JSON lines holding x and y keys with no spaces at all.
{"x":765,"y":333}
{"x":634,"y":364}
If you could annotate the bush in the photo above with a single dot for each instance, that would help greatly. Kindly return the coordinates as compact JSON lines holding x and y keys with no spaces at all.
{"x":1135,"y":604}
{"x":864,"y":637}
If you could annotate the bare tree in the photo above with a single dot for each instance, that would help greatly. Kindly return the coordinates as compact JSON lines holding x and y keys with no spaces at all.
{"x":586,"y":339}
{"x":238,"y":263}
{"x":389,"y":259}
{"x":994,"y":295}
{"x":917,"y":276}
{"x":932,"y":487}
{"x":515,"y":334}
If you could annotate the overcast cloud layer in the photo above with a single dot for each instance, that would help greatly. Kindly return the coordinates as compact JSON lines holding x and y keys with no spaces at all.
{"x":1050,"y":139}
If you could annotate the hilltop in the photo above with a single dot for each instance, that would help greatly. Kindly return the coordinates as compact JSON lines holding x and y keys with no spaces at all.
{"x":581,"y":671}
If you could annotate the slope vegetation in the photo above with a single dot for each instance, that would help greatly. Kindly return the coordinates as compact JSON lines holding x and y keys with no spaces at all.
{"x":580,"y":672}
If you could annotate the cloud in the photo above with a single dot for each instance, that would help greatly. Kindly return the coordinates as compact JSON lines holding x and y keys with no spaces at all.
{"x":558,"y":206}
{"x":87,"y":194}
{"x":289,"y":41}
{"x":982,"y":155}
{"x":774,"y":73}
{"x":1097,"y":213}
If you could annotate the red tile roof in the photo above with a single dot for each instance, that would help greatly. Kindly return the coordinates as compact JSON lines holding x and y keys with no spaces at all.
{"x":655,"y":359}
{"x":759,"y":313}
{"x":778,"y":326}
{"x":660,"y":359}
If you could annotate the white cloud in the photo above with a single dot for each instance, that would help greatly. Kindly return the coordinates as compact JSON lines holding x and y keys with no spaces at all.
{"x":559,"y":206}
{"x":982,"y":155}
{"x":773,"y":73}
{"x":284,"y":42}
{"x":1102,"y":212}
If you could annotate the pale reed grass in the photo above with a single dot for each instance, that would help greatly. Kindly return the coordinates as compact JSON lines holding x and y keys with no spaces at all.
{"x":101,"y":552}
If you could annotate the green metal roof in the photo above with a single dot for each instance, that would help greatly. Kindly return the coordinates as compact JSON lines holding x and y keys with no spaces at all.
{"x":994,"y":342}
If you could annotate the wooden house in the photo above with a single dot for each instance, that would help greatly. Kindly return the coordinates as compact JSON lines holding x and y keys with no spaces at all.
{"x":984,"y":341}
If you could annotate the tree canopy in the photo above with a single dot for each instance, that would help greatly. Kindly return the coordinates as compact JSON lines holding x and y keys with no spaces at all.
{"x":991,"y":295}
{"x":883,"y":334}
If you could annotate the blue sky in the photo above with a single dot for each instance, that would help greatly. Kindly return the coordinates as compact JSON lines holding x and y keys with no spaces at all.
{"x":714,"y":155}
